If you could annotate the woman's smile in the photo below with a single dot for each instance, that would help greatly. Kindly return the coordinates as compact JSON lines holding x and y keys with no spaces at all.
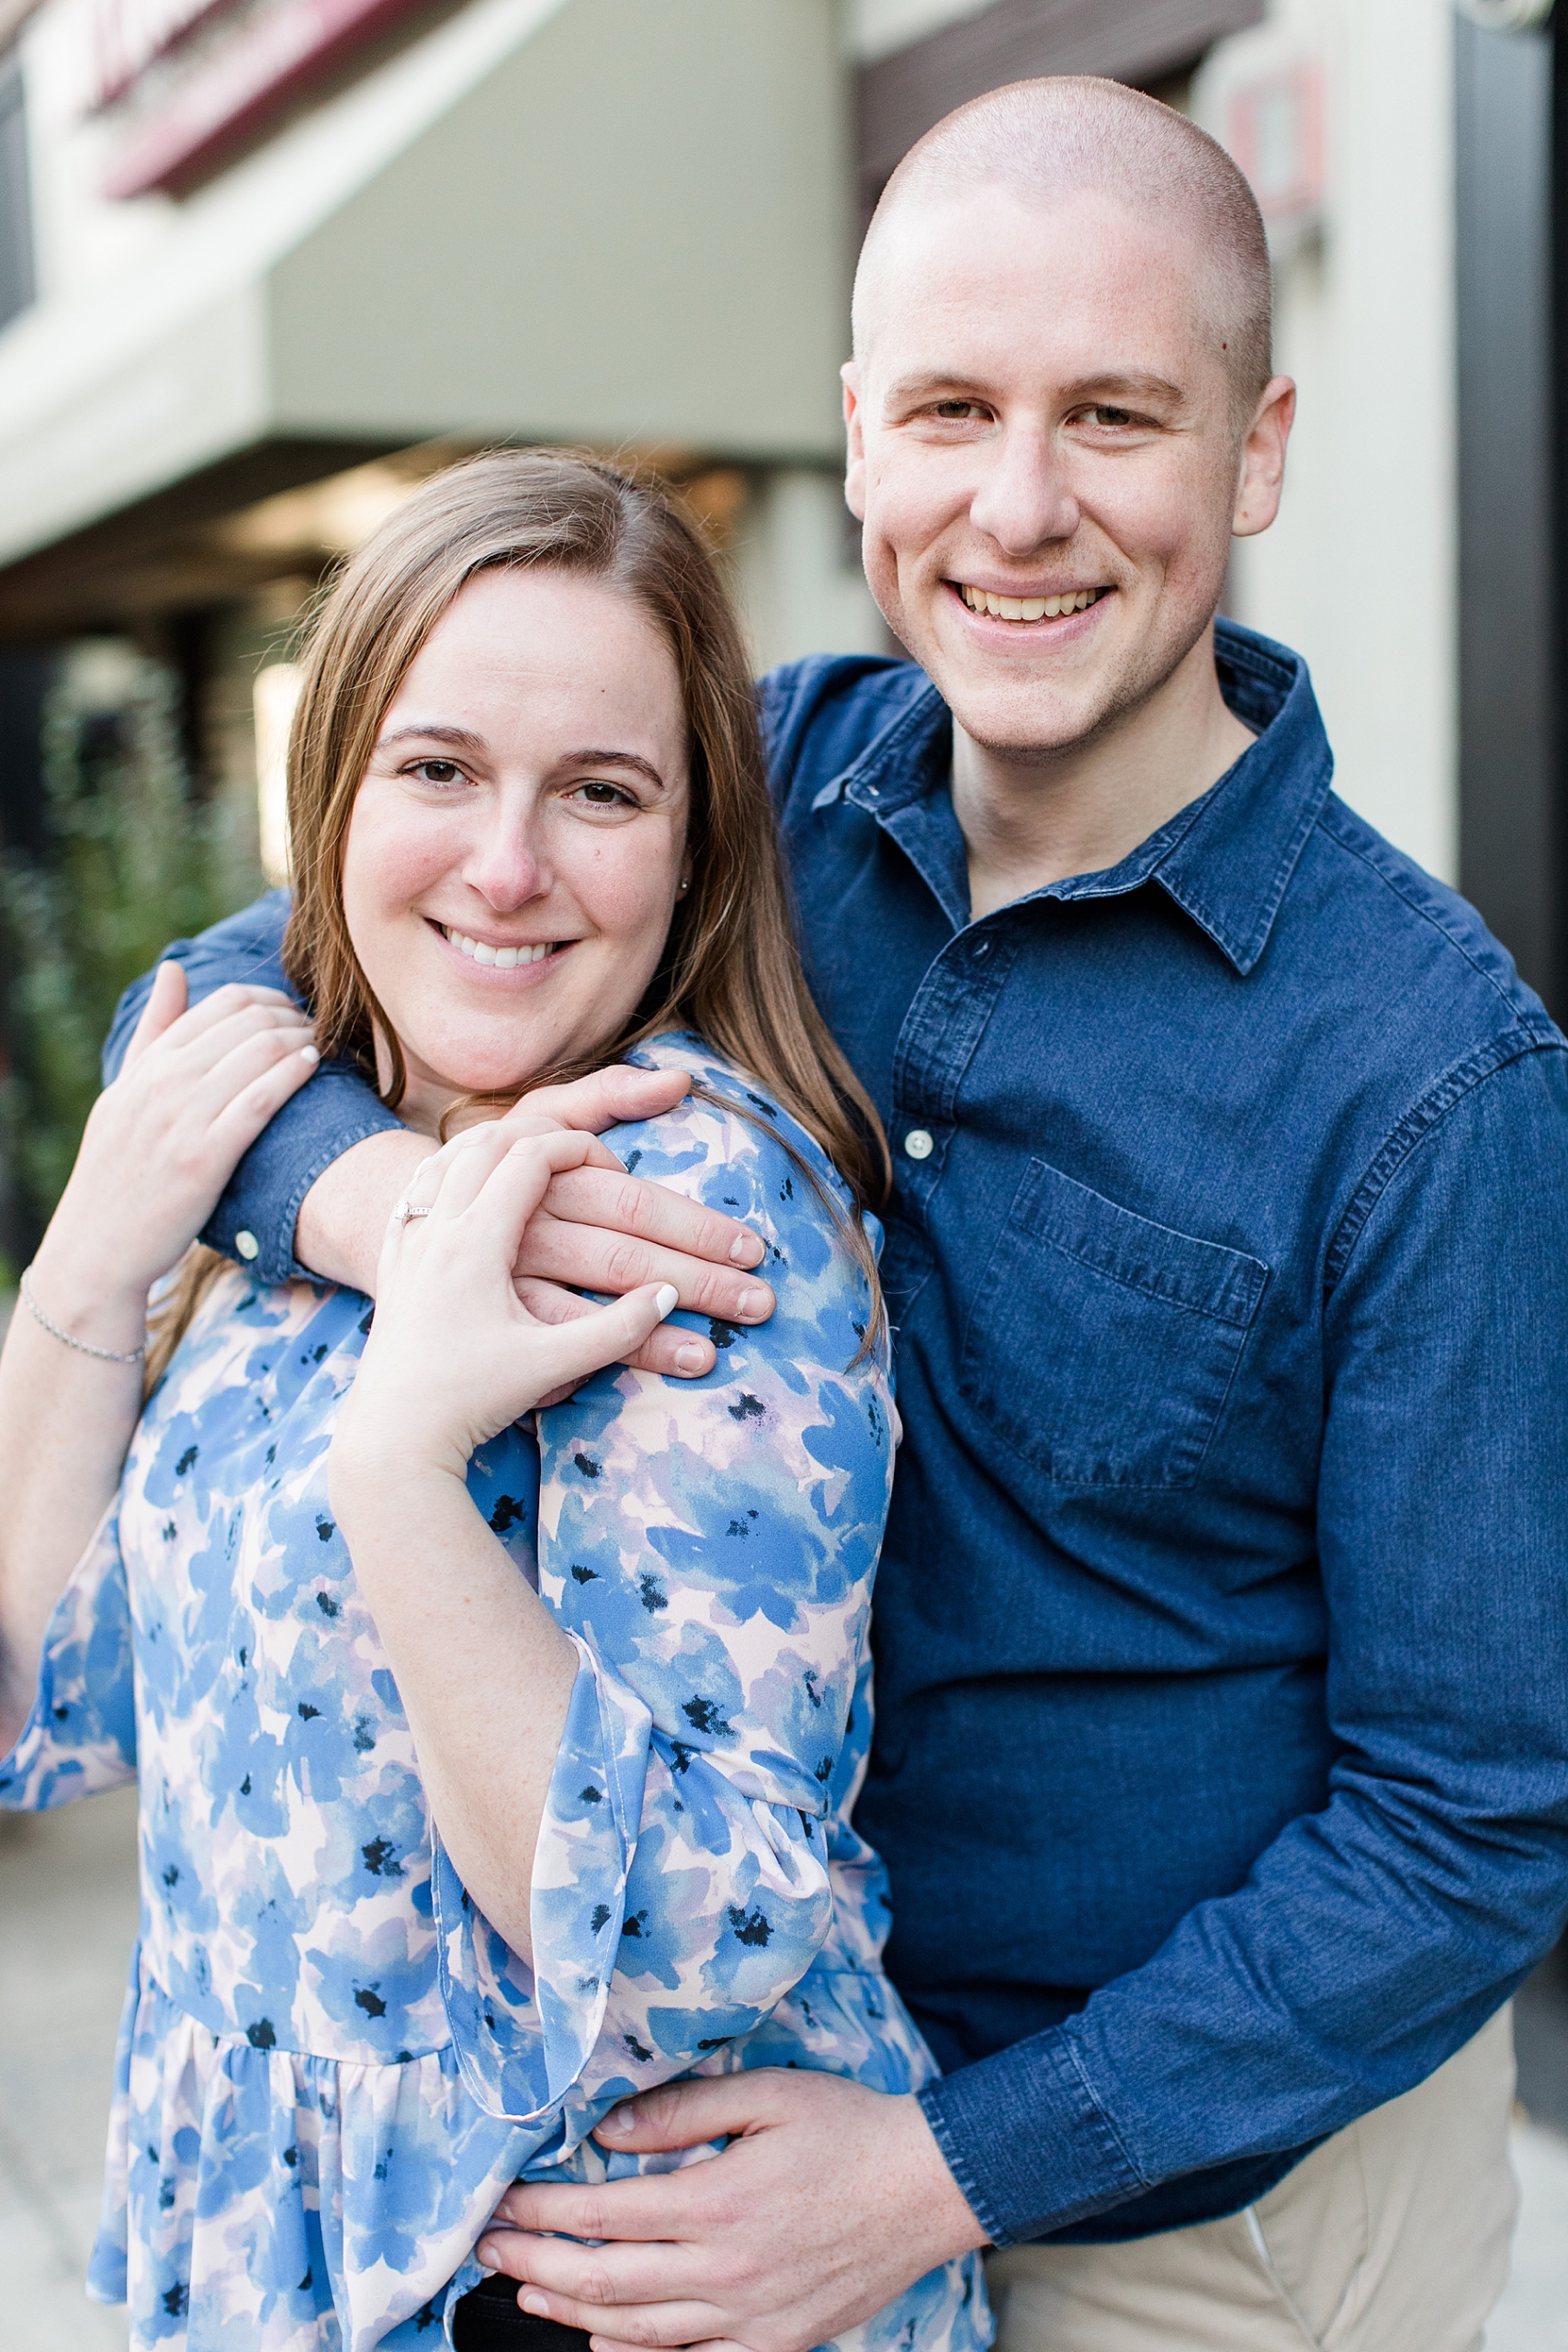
{"x":498,"y":954}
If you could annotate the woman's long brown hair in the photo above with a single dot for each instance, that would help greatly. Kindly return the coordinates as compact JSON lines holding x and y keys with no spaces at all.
{"x":729,"y":970}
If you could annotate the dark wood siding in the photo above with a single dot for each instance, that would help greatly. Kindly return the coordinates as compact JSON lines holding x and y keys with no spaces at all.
{"x":1512,"y":860}
{"x":1140,"y":42}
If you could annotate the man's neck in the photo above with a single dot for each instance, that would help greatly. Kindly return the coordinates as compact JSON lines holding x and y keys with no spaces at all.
{"x":1030,"y":820}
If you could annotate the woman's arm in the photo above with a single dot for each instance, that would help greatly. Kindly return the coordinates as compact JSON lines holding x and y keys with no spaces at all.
{"x":196,"y":1090}
{"x":714,"y":1550}
{"x":484,"y":1672}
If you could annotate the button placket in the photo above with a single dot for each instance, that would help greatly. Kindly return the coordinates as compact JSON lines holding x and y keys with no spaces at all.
{"x":943,"y":1028}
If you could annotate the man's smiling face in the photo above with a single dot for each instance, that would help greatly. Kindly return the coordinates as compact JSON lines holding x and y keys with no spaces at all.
{"x":1044,"y":454}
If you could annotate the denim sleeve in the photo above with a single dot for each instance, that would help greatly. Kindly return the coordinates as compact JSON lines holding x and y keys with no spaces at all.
{"x":336,"y":1109}
{"x":1371,"y":1940}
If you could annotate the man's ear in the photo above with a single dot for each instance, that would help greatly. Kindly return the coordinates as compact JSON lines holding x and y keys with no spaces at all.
{"x":1261,"y":475}
{"x":854,"y":468}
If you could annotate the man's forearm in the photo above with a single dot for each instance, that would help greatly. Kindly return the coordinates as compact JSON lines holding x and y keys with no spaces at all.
{"x":343,"y":1218}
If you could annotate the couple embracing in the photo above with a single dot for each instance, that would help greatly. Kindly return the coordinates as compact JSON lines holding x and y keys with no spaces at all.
{"x":541,"y":1937}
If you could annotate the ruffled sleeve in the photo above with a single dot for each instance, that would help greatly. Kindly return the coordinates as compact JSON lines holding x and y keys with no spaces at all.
{"x":81,"y":1736}
{"x":710,"y":1546}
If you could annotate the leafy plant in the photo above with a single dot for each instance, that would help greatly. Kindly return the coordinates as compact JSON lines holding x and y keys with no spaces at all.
{"x":132,"y":860}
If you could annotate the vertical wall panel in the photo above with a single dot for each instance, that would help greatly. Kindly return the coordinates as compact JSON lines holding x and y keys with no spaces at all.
{"x":16,"y":281}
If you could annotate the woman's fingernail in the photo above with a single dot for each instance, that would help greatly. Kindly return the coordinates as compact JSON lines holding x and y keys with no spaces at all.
{"x":752,"y":1302}
{"x":745,"y":1251}
{"x":537,"y":2305}
{"x":664,"y":1298}
{"x":691,"y":1359}
{"x":309,"y":1054}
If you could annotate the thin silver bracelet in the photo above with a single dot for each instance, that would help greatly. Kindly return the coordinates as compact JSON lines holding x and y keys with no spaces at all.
{"x":104,"y":1355}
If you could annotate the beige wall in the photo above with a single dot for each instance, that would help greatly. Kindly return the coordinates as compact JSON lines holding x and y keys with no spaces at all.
{"x":1358,"y":572}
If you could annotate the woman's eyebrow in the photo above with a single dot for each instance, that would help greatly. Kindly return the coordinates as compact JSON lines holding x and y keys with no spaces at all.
{"x":462,"y":737}
{"x":592,"y":759}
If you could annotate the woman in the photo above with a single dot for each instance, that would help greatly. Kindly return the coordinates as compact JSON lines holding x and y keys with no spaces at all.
{"x":488,"y":1773}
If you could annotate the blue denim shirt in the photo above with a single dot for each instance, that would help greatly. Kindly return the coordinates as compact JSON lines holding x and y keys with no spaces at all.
{"x":1221,"y":1628}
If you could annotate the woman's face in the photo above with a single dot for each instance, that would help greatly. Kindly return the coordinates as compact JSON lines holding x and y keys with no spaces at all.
{"x":517,"y":844}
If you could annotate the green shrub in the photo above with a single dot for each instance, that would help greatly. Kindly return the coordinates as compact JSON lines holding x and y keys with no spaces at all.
{"x":132,"y":862}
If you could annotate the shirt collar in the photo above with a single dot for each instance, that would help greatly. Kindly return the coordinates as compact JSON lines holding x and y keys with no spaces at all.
{"x":1226,"y":858}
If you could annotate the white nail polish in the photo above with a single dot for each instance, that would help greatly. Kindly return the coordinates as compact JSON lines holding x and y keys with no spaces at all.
{"x":665,"y":1298}
{"x":309,"y":1054}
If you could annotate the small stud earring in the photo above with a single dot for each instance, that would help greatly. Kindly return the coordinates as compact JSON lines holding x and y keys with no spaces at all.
{"x":685,"y":886}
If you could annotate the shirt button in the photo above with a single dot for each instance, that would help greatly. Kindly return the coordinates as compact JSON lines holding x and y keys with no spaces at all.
{"x":918,"y":1144}
{"x":247,"y":1245}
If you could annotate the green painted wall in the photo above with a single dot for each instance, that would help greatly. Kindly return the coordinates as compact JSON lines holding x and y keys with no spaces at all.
{"x":634,"y":229}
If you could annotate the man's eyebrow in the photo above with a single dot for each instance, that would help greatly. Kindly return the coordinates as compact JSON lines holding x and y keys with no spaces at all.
{"x":1113,"y":385}
{"x":936,"y":379}
{"x":1117,"y":389}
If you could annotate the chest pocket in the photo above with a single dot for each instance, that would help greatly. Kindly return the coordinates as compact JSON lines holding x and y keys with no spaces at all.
{"x":1101,"y":1347}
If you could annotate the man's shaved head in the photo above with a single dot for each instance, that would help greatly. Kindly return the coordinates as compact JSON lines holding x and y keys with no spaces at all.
{"x":1060,"y":413}
{"x":1046,"y":141}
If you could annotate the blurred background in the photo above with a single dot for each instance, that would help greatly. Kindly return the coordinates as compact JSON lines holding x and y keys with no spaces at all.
{"x":265,"y":264}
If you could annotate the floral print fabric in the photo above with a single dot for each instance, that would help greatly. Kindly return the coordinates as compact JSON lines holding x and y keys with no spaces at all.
{"x":331,"y":2065}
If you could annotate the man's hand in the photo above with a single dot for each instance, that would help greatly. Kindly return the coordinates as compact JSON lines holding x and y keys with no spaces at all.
{"x":598,"y":1229}
{"x":829,"y":2200}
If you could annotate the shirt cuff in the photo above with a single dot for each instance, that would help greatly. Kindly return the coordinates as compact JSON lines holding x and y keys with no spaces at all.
{"x":266,"y":1247}
{"x":1027,"y":2142}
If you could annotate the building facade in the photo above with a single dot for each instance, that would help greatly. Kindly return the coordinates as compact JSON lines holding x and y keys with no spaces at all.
{"x":264,"y":263}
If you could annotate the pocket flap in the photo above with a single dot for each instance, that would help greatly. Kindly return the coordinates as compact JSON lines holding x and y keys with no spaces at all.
{"x":1110,"y":1240}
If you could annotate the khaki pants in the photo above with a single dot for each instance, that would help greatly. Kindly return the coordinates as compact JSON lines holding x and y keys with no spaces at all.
{"x":1391,"y":2237}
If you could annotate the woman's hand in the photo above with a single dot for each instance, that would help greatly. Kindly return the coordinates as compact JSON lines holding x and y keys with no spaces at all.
{"x":196,"y":1089}
{"x":454,"y":1354}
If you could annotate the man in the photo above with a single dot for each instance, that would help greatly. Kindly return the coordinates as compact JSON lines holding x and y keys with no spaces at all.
{"x":1222,"y":1756}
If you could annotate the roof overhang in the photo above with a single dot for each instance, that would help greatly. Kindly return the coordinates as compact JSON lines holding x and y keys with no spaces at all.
{"x":583,"y":219}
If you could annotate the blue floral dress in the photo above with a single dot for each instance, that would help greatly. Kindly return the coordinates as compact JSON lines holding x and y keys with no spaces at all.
{"x":330,"y":2066}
